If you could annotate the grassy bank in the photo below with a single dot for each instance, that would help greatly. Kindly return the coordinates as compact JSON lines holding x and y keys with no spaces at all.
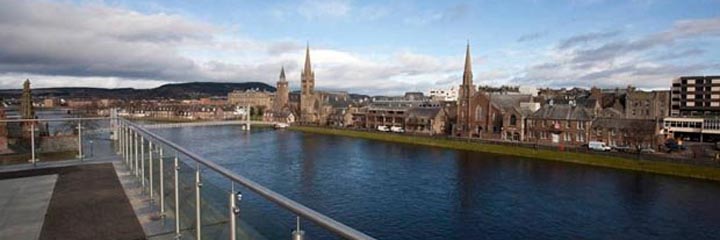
{"x":674,"y":169}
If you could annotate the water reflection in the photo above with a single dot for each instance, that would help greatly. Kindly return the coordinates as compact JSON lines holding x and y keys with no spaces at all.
{"x":400,"y":191}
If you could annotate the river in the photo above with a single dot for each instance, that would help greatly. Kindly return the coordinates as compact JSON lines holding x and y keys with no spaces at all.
{"x":402,"y":191}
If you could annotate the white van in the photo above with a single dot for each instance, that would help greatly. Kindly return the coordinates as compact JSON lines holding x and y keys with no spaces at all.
{"x":598,"y":146}
{"x":397,"y":129}
{"x":383,"y":128}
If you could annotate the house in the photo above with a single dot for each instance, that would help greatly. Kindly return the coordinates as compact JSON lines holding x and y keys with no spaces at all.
{"x":424,"y":120}
{"x":566,"y":124}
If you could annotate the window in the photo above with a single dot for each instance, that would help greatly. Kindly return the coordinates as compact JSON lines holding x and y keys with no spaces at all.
{"x":478,"y":113}
{"x":513,"y":120}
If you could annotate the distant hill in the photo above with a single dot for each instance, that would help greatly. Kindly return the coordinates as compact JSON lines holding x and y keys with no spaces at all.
{"x":174,"y":90}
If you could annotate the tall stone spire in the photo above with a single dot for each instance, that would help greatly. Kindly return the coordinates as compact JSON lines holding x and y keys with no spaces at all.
{"x":465,"y":98}
{"x":307,"y":77}
{"x":308,"y":66}
{"x":467,"y":74}
{"x":282,"y":74}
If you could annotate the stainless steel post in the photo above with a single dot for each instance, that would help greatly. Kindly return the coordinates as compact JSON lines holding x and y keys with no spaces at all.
{"x":118,"y":139}
{"x":142,"y":162}
{"x":32,"y":144}
{"x":177,"y":198}
{"x":137,"y":154}
{"x":80,"y":148}
{"x":233,"y":212}
{"x":162,"y":184}
{"x":198,"y":185}
{"x":150,"y":166}
{"x":298,"y":234}
{"x":123,"y":130}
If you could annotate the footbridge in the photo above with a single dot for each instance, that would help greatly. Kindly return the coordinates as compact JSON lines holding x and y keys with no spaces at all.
{"x":206,"y":123}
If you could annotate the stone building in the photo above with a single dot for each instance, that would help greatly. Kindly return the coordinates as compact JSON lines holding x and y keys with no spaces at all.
{"x":26,"y":102}
{"x":631,"y":133}
{"x":564,"y":124}
{"x":484,"y":114}
{"x":646,"y":105}
{"x":253,"y":98}
{"x":281,"y":109}
{"x":425,"y":120}
{"x":282,"y":94}
{"x":315,"y":106}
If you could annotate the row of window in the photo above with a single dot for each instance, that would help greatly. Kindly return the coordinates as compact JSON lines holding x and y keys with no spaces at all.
{"x":557,"y":123}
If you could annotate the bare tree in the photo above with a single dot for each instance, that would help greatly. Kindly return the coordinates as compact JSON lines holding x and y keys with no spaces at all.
{"x":639,"y":132}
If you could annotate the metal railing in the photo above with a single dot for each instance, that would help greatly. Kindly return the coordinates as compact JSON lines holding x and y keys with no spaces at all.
{"x":131,"y":141}
{"x":28,"y":133}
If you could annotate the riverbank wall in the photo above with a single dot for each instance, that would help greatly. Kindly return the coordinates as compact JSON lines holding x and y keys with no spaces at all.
{"x":658,"y":167}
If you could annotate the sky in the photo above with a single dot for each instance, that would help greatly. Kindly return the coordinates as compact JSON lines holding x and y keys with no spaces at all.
{"x":370,"y":47}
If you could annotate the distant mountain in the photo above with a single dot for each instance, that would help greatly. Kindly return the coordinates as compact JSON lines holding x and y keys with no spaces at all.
{"x":174,"y":90}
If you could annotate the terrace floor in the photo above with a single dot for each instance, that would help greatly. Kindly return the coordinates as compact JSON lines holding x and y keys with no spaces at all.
{"x":85,"y":201}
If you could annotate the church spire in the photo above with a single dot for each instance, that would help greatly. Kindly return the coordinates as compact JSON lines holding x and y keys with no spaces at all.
{"x":467,"y":74}
{"x":282,"y":74}
{"x":308,"y":66}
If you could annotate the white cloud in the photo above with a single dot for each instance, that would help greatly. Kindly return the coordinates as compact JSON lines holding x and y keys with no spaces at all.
{"x":315,"y":9}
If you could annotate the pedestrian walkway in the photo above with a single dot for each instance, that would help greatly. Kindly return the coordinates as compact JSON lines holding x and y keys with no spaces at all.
{"x":87,"y":202}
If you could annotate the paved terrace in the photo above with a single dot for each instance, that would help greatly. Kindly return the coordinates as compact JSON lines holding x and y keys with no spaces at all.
{"x":75,"y":200}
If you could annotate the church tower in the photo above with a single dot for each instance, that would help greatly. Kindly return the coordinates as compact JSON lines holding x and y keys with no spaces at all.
{"x":26,"y":104}
{"x":465,"y":93}
{"x":307,"y":77}
{"x":309,"y":103}
{"x":282,"y":93}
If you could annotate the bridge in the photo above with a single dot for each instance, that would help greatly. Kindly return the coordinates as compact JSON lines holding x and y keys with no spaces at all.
{"x":206,"y":123}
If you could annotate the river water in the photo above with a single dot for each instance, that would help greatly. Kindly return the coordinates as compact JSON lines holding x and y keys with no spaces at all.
{"x":402,"y":191}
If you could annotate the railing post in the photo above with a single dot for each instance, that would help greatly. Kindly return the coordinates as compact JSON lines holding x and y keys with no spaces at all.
{"x":177,"y":198}
{"x":198,"y":185}
{"x":127,"y":147}
{"x":298,"y":234}
{"x":162,"y":184}
{"x":80,"y":147}
{"x":142,"y":162}
{"x":124,"y":143}
{"x":120,"y":140}
{"x":137,"y":154}
{"x":233,"y":209}
{"x":150,"y":166}
{"x":32,"y":144}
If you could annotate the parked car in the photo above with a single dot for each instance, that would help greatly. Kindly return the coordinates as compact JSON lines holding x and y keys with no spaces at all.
{"x":397,"y":129}
{"x":673,"y":145}
{"x":598,"y":146}
{"x":383,"y":128}
{"x":622,"y":148}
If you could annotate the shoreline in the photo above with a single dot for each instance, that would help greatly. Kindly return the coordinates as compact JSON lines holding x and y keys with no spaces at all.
{"x":657,"y":167}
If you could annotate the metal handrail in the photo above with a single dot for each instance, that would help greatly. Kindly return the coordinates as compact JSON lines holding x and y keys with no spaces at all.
{"x":295,"y":207}
{"x":52,"y":119}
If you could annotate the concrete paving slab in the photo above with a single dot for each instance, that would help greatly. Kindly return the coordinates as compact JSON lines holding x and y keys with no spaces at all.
{"x":23,"y":205}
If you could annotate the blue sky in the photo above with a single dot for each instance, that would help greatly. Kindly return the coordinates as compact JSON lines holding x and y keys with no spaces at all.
{"x":384,"y":47}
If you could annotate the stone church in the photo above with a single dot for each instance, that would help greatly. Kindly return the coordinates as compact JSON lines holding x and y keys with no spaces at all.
{"x":488,"y":115}
{"x":313,"y":107}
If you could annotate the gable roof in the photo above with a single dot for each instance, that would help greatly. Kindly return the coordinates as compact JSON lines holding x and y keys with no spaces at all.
{"x":563,"y":112}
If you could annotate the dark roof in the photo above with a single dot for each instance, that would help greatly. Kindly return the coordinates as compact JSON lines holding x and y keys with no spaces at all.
{"x":623,"y":123}
{"x":563,"y":112}
{"x":422,"y":112}
{"x":506,"y":101}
